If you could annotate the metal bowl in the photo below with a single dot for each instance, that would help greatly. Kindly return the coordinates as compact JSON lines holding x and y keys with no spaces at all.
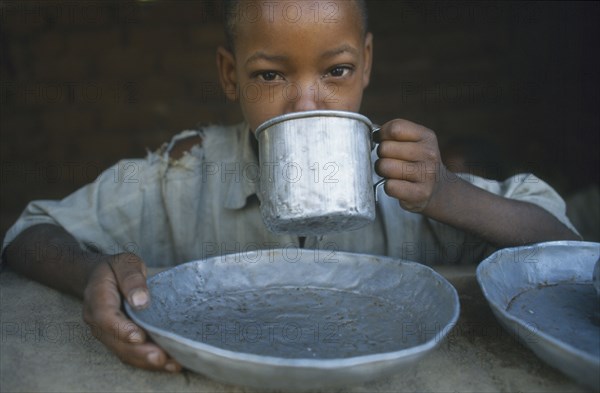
{"x":544,"y":295}
{"x":298,"y":319}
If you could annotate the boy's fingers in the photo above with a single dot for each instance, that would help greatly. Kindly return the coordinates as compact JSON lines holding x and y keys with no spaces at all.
{"x":410,"y":196}
{"x":147,"y":356}
{"x":416,"y":172}
{"x":401,"y":130}
{"x":409,"y":151}
{"x":128,"y":342}
{"x":130,"y":273}
{"x":102,"y":312}
{"x":395,"y":169}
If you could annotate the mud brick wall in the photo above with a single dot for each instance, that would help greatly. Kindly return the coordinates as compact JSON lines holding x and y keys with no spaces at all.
{"x":85,"y":83}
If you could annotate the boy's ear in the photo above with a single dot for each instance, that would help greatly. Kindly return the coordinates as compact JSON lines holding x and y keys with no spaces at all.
{"x":368,"y":53}
{"x":227,"y":75}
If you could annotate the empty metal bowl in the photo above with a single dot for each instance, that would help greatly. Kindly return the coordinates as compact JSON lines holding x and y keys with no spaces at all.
{"x":298,"y":319}
{"x":544,"y":295}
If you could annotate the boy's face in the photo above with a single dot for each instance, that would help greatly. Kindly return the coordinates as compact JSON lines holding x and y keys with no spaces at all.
{"x":293,"y":56}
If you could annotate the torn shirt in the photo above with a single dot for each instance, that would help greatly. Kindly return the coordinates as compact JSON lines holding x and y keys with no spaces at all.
{"x":204,"y":204}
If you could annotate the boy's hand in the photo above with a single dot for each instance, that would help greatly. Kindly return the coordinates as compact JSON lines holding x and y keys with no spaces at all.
{"x":116,"y":276}
{"x":409,"y":157}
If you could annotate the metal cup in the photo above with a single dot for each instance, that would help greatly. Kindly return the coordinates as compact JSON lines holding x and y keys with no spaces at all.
{"x":316,"y":172}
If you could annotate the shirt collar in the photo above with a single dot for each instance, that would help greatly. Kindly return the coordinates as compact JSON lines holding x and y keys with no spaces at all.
{"x":244,"y":173}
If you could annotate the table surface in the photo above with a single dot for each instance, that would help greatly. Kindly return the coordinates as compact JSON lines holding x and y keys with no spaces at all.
{"x":46,"y":347}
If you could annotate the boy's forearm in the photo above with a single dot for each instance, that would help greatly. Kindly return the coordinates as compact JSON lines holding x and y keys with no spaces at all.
{"x":50,"y":255}
{"x":501,"y":221}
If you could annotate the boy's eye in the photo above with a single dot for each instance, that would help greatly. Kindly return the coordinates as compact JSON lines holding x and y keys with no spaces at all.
{"x":268,"y":75}
{"x":340,"y":71}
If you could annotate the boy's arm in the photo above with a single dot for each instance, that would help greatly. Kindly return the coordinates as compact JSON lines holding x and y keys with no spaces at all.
{"x":50,"y":255}
{"x":501,"y":221}
{"x":411,"y":161}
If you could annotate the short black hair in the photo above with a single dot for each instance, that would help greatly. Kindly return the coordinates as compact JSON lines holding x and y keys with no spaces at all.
{"x":230,"y":16}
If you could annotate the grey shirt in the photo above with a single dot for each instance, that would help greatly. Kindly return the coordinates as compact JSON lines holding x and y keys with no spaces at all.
{"x":204,"y":204}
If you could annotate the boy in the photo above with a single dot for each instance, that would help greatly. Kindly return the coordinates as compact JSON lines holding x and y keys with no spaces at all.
{"x":193,"y":198}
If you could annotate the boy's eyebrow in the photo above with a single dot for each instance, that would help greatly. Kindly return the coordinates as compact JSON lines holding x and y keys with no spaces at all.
{"x":339,"y":50}
{"x":260,"y":55}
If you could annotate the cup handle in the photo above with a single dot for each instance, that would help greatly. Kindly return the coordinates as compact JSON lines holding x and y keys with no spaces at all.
{"x":376,"y":187}
{"x":381,"y":182}
{"x":375,"y":129}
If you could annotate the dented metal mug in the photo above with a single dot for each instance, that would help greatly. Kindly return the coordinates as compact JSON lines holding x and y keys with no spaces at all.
{"x":316,"y":172}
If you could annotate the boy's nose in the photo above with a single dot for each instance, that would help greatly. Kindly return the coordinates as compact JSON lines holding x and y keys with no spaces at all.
{"x":303,"y":97}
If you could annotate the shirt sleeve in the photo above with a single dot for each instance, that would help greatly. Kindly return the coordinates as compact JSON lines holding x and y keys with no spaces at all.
{"x":527,"y":188}
{"x":105,"y":216}
{"x":412,"y":236}
{"x":123,"y":210}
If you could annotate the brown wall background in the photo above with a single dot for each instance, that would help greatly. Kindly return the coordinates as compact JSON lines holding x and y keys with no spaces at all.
{"x":86,"y":83}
